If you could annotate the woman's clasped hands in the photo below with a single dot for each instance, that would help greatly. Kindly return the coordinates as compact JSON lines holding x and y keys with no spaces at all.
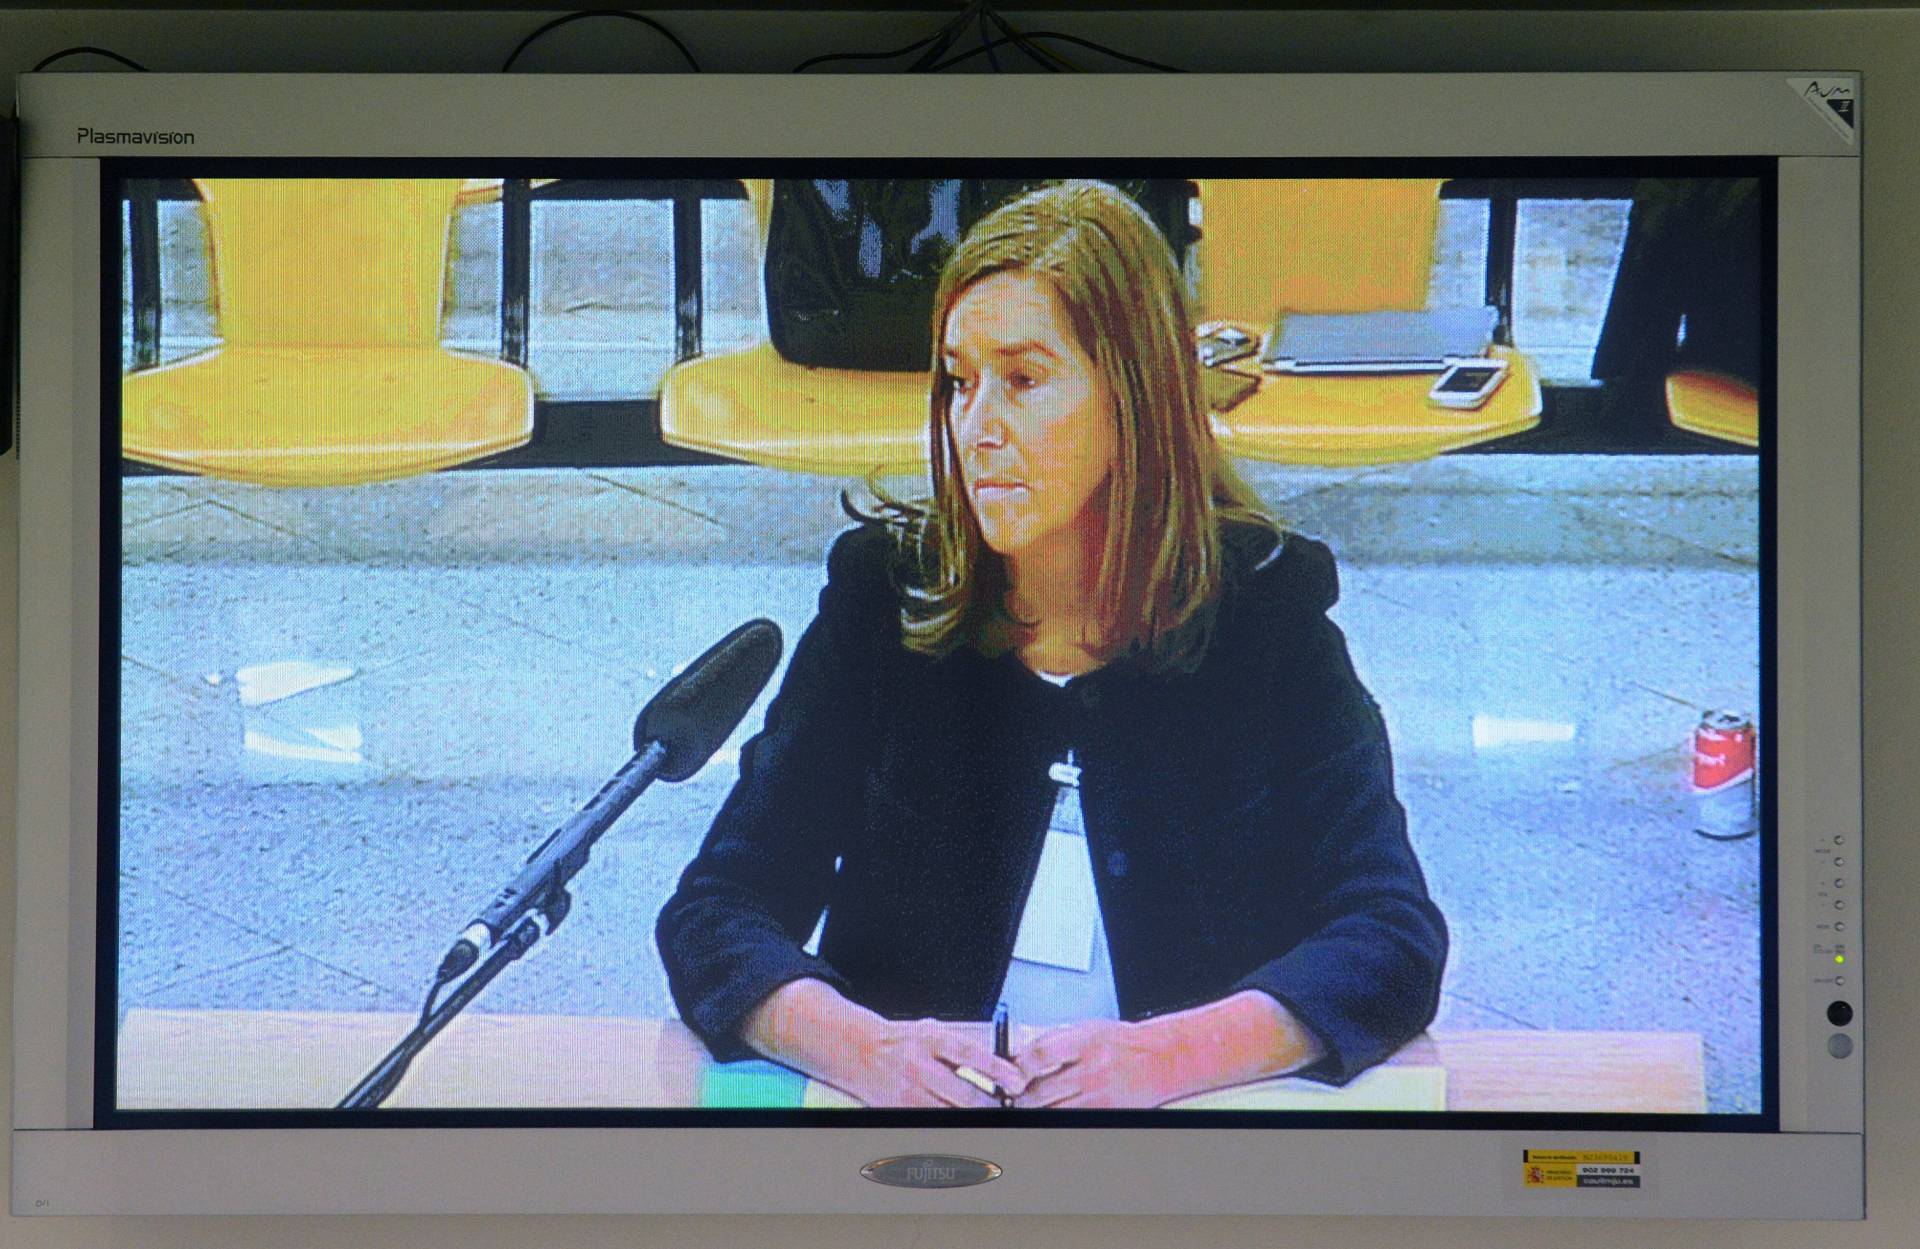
{"x":927,"y":1062}
{"x":1087,"y":1065}
{"x":1094,"y":1064}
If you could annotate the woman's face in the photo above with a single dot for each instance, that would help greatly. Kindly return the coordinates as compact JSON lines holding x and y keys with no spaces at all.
{"x":1030,"y":418}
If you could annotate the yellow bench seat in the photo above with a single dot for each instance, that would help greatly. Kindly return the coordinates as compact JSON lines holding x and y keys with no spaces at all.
{"x":755,"y":406}
{"x":297,"y":416}
{"x":1716,"y":405}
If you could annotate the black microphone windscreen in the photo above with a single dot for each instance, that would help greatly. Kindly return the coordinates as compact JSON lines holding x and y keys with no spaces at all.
{"x":695,"y":711}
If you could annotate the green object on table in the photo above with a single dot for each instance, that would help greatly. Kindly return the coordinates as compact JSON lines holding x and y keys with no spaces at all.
{"x":752,"y":1083}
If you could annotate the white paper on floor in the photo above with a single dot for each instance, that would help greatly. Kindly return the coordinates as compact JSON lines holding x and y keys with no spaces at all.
{"x":1492,"y":732}
{"x":312,"y":729}
{"x":261,"y":684}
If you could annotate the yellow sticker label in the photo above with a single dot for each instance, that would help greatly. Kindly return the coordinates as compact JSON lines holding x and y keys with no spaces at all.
{"x":1581,"y":1168}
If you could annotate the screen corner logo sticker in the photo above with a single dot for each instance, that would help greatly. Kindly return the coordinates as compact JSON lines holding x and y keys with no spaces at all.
{"x":1581,"y":1168}
{"x":1833,"y":98}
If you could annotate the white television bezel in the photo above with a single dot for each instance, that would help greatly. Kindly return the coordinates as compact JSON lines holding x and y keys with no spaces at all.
{"x":1812,"y":1167}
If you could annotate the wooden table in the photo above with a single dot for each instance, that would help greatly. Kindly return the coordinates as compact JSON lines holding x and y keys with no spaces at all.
{"x":307,"y":1060}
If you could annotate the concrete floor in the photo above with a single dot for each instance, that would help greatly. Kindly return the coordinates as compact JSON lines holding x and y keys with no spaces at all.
{"x":350,"y":713}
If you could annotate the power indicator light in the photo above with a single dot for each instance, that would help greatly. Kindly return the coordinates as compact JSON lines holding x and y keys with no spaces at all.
{"x":1839,"y":958}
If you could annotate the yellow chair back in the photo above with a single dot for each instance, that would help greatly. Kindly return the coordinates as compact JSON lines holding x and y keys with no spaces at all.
{"x":328,"y":295}
{"x":369,"y":269}
{"x":1271,"y":246}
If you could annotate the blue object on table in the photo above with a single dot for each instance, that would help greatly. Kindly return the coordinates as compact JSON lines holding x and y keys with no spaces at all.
{"x":751,"y":1083}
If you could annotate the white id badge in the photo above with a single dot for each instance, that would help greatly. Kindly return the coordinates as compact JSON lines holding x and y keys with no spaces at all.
{"x":1062,"y":908}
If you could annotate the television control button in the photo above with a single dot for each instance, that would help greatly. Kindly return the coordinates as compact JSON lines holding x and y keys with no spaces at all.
{"x":1839,"y":904}
{"x":1839,"y":1045}
{"x":1839,"y":862}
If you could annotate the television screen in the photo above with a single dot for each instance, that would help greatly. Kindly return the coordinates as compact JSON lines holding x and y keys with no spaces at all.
{"x":1474,"y":767}
{"x":1163,"y":639}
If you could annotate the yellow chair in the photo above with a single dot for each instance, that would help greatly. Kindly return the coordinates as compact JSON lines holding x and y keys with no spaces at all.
{"x":1714,"y":404}
{"x":1272,"y":245}
{"x":331,"y":371}
{"x":755,"y":405}
{"x":1275,"y":246}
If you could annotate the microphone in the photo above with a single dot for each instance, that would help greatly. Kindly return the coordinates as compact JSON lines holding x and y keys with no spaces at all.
{"x":695,"y":711}
{"x":673,"y":737}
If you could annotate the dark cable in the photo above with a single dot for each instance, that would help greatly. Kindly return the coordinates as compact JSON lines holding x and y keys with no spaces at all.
{"x":1103,"y":49}
{"x":1054,"y":34}
{"x":586,"y":13}
{"x":945,"y":36}
{"x":992,"y":60}
{"x":1038,"y":55}
{"x":48,"y":60}
{"x":983,"y":49}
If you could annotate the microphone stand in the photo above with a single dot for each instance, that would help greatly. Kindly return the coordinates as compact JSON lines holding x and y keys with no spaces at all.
{"x":377,"y":1085}
{"x":549,"y":908}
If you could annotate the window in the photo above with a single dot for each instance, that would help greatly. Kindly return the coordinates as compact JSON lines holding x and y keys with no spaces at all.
{"x":733,"y":297}
{"x":1460,"y":255}
{"x":1566,"y":253}
{"x":187,"y":323}
{"x":601,"y":316}
{"x":470,"y":321}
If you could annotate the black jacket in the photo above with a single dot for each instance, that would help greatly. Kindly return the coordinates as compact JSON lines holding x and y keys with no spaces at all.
{"x":1241,"y":820}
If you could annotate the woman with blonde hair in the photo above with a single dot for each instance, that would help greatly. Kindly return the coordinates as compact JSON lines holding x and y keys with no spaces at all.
{"x":1073,"y":734}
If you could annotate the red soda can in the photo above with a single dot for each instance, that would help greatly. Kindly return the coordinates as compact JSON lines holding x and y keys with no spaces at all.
{"x":1725,"y":746}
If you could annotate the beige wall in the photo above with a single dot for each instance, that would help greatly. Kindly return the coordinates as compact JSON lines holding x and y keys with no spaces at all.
{"x":1883,"y":44}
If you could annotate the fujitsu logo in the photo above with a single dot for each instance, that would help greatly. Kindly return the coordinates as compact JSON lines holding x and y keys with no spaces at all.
{"x":930,"y":1171}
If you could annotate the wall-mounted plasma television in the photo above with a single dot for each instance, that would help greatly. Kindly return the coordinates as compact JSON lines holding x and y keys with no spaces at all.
{"x":970,"y":645}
